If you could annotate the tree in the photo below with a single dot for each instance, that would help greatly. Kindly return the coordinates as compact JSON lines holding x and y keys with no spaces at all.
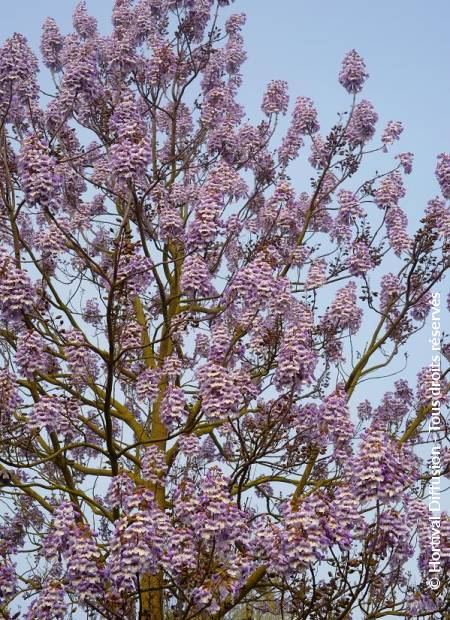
{"x":184,"y":336}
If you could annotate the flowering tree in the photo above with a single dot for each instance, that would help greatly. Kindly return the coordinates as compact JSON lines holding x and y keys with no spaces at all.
{"x":184,"y":335}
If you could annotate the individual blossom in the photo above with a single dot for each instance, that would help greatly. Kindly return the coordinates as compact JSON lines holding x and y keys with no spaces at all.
{"x":353,"y":72}
{"x":276,"y":98}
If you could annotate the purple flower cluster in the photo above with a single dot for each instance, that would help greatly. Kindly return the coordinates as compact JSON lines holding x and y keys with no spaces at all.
{"x":147,"y":384}
{"x":296,"y":359}
{"x":17,"y":296}
{"x":196,"y":277}
{"x":382,"y":468}
{"x":220,"y":394}
{"x":406,"y":161}
{"x":51,"y":44}
{"x":10,"y":398}
{"x":130,"y":153}
{"x":361,"y":126}
{"x":51,"y":603}
{"x":84,"y":24}
{"x":391,"y":132}
{"x":31,"y":355}
{"x":360,"y":261}
{"x":38,"y":171}
{"x":47,"y":413}
{"x":344,"y":312}
{"x":173,"y":407}
{"x":138,"y":542}
{"x":443,"y":173}
{"x":81,"y":360}
{"x":19,"y":89}
{"x":353,"y":72}
{"x":396,"y":230}
{"x":317,"y":273}
{"x":390,"y":190}
{"x":334,"y":414}
{"x":276,"y":98}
